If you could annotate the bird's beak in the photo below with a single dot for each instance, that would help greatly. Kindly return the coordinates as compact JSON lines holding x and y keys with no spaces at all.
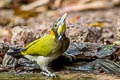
{"x":62,"y":24}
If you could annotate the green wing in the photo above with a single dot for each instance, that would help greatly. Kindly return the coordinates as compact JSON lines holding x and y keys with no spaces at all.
{"x":42,"y":47}
{"x":32,"y":43}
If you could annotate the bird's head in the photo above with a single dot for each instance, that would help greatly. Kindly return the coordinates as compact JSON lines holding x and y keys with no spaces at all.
{"x":59,"y":27}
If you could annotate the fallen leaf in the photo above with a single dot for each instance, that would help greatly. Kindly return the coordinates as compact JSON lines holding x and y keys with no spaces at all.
{"x":24,"y":14}
{"x":75,"y":19}
{"x":96,"y":24}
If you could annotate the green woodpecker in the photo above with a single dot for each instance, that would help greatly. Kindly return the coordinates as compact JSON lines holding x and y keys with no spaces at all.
{"x":48,"y":48}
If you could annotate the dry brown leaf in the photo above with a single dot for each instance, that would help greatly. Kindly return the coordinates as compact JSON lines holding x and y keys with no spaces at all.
{"x":24,"y":14}
{"x":74,"y":19}
{"x":1,"y":53}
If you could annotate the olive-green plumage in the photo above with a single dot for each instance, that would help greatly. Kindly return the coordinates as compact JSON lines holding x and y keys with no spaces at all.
{"x":42,"y":47}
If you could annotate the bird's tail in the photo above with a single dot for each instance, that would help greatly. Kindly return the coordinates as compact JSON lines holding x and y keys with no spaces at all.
{"x":15,"y":52}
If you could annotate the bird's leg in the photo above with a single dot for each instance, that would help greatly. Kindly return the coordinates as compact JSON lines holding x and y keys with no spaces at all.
{"x":43,"y":65}
{"x":70,"y":56}
{"x":46,"y":72}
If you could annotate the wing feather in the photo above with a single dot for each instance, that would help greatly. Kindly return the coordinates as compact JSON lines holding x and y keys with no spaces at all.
{"x":42,"y":47}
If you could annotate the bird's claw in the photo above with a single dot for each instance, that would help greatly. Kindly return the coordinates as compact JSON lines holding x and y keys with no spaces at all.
{"x":70,"y":56}
{"x":49,"y":74}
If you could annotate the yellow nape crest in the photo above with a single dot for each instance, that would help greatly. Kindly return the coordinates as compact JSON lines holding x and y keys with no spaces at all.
{"x":53,"y":34}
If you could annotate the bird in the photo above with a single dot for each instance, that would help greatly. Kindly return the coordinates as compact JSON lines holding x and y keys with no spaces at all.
{"x":48,"y":48}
